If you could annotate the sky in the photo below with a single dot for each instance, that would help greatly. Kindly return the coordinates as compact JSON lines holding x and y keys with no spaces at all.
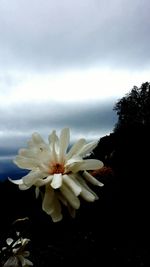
{"x":65,"y":63}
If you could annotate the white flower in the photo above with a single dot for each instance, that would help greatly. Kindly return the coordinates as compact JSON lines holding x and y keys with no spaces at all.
{"x":18,"y":257}
{"x":63,"y":173}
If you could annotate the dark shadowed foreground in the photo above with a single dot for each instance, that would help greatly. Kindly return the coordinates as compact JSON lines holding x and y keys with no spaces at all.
{"x":108,"y":232}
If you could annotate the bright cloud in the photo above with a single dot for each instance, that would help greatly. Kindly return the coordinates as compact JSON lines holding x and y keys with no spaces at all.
{"x":73,"y":86}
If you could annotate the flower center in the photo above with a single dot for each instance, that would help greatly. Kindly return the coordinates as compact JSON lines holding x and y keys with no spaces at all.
{"x":57,"y":168}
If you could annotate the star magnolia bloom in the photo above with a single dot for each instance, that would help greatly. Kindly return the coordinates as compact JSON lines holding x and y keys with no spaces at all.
{"x":19,"y":254}
{"x":63,"y":173}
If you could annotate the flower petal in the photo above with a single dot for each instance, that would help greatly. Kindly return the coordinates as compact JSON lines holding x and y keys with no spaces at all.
{"x":37,"y":139}
{"x":9,"y":241}
{"x":17,"y":182}
{"x":70,"y":196}
{"x":73,"y":160}
{"x":23,"y":187}
{"x":27,"y":153}
{"x":56,"y":215}
{"x":87,"y":195}
{"x":53,"y":141}
{"x":32,"y":177}
{"x":61,"y":198}
{"x":37,"y":192}
{"x":48,"y":201}
{"x":91,"y":179}
{"x":26,"y":253}
{"x":76,"y":189}
{"x":63,"y":143}
{"x":57,"y":180}
{"x":84,"y":187}
{"x":11,"y":262}
{"x":51,"y":204}
{"x":26,"y":163}
{"x":75,"y":148}
{"x":36,"y":142}
{"x":87,"y":148}
{"x":41,"y":182}
{"x":53,"y":138}
{"x":87,"y":164}
{"x":24,"y":262}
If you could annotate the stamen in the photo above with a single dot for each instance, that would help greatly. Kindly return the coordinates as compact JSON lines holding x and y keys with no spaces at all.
{"x":57,"y":168}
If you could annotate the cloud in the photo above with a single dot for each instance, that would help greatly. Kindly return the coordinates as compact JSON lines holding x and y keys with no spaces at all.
{"x":89,"y":120}
{"x":63,"y":34}
{"x":64,"y":63}
{"x":91,"y":84}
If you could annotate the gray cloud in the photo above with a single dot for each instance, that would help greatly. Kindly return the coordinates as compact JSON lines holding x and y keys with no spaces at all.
{"x":91,"y":120}
{"x":52,"y":34}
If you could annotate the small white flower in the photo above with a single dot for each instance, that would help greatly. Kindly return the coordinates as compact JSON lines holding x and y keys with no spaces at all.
{"x":63,"y":173}
{"x":19,"y":254}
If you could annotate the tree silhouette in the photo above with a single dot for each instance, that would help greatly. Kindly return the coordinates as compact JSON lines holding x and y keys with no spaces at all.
{"x":133,"y":110}
{"x":130,"y":136}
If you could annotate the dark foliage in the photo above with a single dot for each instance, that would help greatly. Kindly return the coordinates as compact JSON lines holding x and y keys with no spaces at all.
{"x":133,"y":110}
{"x":126,"y":148}
{"x":126,"y":151}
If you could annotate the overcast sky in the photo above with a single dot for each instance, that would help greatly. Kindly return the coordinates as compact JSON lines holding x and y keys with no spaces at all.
{"x":67,"y":62}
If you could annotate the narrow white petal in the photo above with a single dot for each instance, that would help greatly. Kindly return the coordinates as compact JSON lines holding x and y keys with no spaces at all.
{"x":92,"y":164}
{"x":70,"y":196}
{"x":87,"y":164}
{"x":53,"y":138}
{"x":40,"y":153}
{"x":24,"y":262}
{"x":75,"y":148}
{"x":36,"y":143}
{"x":24,"y":241}
{"x":32,"y":177}
{"x":26,"y":253}
{"x":37,"y":192}
{"x":37,"y":139}
{"x":36,"y":151}
{"x":26,"y":163}
{"x":61,"y":198}
{"x":91,"y":179}
{"x":28,"y":262}
{"x":87,"y":195}
{"x":27,"y":153}
{"x":84,"y":186}
{"x":73,"y":160}
{"x":75,"y":167}
{"x":41,"y":182}
{"x":57,"y":180}
{"x":30,"y":144}
{"x":43,"y":154}
{"x":87,"y":148}
{"x":53,"y":141}
{"x":63,"y":143}
{"x":17,"y":182}
{"x":44,"y":168}
{"x":76,"y":189}
{"x":23,"y":187}
{"x":9,"y":241}
{"x":11,"y":262}
{"x":48,"y":201}
{"x":51,"y":205}
{"x":56,"y":215}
